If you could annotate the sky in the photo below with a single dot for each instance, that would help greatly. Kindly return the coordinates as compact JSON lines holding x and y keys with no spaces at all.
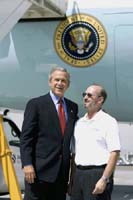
{"x":102,"y":3}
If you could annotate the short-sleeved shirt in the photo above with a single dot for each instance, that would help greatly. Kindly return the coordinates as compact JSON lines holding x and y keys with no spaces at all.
{"x":95,"y":138}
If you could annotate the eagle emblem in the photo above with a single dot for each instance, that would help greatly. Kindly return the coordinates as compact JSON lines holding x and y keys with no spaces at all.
{"x":80,"y":40}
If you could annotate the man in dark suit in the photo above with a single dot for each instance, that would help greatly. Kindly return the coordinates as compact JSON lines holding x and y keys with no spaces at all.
{"x":44,"y":147}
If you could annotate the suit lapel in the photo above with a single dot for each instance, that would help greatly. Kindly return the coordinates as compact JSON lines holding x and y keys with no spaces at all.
{"x":70,"y":114}
{"x":54,"y":114}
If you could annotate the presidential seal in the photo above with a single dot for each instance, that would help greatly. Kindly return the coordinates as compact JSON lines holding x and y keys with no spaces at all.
{"x":80,"y":40}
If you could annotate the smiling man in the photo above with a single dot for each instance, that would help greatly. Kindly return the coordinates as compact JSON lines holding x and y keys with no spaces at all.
{"x":44,"y":145}
{"x":97,"y":148}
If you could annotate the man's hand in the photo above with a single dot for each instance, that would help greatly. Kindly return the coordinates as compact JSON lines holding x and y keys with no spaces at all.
{"x":99,"y":187}
{"x":29,"y":173}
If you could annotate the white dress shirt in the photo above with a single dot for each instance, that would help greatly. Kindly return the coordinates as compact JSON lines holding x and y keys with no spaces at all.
{"x":95,"y":138}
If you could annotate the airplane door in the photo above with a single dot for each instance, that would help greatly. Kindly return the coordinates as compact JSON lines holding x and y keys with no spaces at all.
{"x":124,"y":69}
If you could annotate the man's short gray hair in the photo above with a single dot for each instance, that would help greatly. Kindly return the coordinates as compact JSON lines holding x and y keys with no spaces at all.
{"x":59,"y":69}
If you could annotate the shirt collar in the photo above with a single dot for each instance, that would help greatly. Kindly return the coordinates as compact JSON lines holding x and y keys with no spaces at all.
{"x":95,"y":117}
{"x":55,"y":98}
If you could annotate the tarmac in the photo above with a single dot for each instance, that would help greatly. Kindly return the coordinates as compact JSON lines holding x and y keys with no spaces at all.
{"x":119,"y":193}
{"x":123,"y":187}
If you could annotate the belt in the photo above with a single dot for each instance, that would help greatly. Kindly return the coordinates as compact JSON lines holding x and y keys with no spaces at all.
{"x":91,"y":167}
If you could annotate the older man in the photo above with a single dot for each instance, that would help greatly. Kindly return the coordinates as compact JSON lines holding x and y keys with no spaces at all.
{"x":97,"y":148}
{"x":46,"y":133}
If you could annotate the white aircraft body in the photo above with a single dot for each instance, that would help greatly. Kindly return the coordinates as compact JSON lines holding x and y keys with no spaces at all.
{"x":93,"y":40}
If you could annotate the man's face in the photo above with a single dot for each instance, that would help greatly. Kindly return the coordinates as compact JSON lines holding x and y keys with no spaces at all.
{"x":91,"y":98}
{"x":59,"y":83}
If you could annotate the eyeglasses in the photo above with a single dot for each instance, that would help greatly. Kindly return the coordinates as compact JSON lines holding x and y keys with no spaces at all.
{"x":89,"y":95}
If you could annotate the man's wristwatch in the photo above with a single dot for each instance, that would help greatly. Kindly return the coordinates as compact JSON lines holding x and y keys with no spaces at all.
{"x":106,"y":179}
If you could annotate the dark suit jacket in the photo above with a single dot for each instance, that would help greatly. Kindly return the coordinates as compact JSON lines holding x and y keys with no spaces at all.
{"x":41,"y":141}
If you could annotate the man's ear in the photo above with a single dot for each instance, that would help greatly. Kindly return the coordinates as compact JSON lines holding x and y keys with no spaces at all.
{"x":101,"y":100}
{"x":49,"y":82}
